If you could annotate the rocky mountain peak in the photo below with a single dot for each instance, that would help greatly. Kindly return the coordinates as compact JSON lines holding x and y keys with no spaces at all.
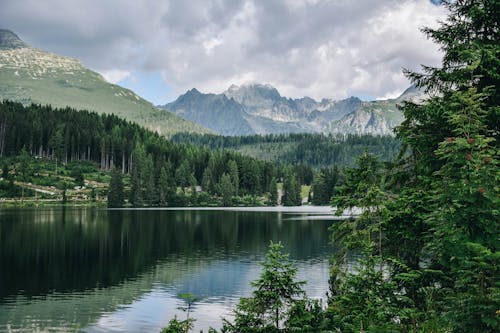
{"x":9,"y":40}
{"x":252,"y":90}
{"x":412,"y":94}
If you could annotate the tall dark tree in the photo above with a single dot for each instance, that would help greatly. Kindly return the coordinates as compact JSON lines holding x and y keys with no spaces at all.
{"x":234,"y":174}
{"x":454,"y":159}
{"x":291,"y":189}
{"x":116,"y":197}
{"x":323,"y":186}
{"x":24,"y":169}
{"x":273,"y":192}
{"x":226,"y":189}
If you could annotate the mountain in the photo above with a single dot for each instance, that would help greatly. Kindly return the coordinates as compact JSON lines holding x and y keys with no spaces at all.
{"x":29,"y":75}
{"x":260,"y":109}
{"x":215,"y":112}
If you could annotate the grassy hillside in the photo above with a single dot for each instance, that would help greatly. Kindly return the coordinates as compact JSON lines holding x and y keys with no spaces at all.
{"x":28,"y":76}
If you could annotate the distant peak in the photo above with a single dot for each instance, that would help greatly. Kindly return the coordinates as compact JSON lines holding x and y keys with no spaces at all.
{"x":193,"y":91}
{"x":233,"y":87}
{"x":259,"y":86}
{"x":9,"y":40}
{"x":253,"y":89}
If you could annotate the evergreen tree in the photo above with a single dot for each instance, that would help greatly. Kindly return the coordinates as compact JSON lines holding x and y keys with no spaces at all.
{"x":115,"y":191}
{"x":273,"y":192}
{"x":226,"y":189}
{"x":275,"y":294}
{"x":433,"y":245}
{"x":164,"y":186}
{"x":56,"y":143}
{"x":291,"y":190}
{"x":148,"y":180}
{"x":323,"y":186}
{"x":137,"y":178}
{"x":233,"y":173}
{"x":207,"y":182}
{"x":453,"y":138}
{"x":24,"y":169}
{"x":184,"y":175}
{"x":5,"y":170}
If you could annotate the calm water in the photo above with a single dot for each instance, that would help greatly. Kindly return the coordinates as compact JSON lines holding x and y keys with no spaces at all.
{"x":71,"y":270}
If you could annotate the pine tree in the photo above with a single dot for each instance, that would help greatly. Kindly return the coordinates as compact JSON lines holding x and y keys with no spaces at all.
{"x":275,"y":293}
{"x":291,"y":190}
{"x":137,"y":178}
{"x":233,"y":173}
{"x":163,"y":186}
{"x":184,"y":175}
{"x":451,"y":173}
{"x":226,"y":189}
{"x":24,"y":169}
{"x":273,"y":192}
{"x":115,"y":191}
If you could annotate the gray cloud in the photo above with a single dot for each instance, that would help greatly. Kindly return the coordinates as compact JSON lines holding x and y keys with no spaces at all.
{"x":303,"y":47}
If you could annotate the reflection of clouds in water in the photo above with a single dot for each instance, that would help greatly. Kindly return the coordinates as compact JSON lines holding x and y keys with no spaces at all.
{"x":149,"y":313}
{"x":221,"y":285}
{"x":222,"y":279}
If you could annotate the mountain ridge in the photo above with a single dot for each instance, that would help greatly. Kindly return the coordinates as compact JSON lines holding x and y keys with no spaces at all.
{"x":261,"y":109}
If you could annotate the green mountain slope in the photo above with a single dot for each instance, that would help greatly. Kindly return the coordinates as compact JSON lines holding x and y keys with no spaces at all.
{"x":28,"y":75}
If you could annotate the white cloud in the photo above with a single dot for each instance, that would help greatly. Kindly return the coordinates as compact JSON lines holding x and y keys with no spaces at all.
{"x":115,"y":75}
{"x":320,"y":48}
{"x":210,"y":44}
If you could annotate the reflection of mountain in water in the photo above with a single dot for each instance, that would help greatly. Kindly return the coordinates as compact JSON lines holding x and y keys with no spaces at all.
{"x":70,"y":266}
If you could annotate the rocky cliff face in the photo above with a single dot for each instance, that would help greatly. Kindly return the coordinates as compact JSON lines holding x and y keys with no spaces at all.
{"x":260,"y":109}
{"x":9,"y":40}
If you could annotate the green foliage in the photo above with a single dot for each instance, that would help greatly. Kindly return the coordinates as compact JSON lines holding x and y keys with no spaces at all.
{"x":5,"y":170}
{"x":291,"y":190}
{"x":366,"y":300}
{"x":316,"y":150}
{"x":115,"y":191}
{"x":455,"y":157}
{"x":226,"y":189}
{"x":178,"y":326}
{"x":71,"y":137}
{"x":323,"y":186}
{"x":363,"y":189}
{"x":275,"y":294}
{"x":273,"y":192}
{"x":436,"y":206}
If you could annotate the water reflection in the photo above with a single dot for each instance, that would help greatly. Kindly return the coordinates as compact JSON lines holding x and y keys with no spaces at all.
{"x":98,"y":270}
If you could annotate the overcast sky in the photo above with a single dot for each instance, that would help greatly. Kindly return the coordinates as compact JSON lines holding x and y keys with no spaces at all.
{"x":161,"y":48}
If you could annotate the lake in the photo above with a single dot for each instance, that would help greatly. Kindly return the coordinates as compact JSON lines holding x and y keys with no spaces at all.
{"x":97,"y":270}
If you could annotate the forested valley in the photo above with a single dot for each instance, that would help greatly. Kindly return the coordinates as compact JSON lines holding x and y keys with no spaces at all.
{"x":63,"y":147}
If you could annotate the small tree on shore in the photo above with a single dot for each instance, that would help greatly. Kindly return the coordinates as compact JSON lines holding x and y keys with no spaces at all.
{"x":275,"y":294}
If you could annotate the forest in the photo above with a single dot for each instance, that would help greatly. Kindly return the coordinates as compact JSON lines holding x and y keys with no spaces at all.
{"x":316,"y":150}
{"x":157,"y":172}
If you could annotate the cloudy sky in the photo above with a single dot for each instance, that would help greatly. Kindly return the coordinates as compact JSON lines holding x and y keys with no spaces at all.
{"x":161,"y":48}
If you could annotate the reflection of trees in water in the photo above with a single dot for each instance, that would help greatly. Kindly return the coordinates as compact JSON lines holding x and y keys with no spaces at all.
{"x":78,"y":249}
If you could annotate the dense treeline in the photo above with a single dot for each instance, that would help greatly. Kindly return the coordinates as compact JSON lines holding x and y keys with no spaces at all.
{"x":317,"y":150}
{"x":156,"y":166}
